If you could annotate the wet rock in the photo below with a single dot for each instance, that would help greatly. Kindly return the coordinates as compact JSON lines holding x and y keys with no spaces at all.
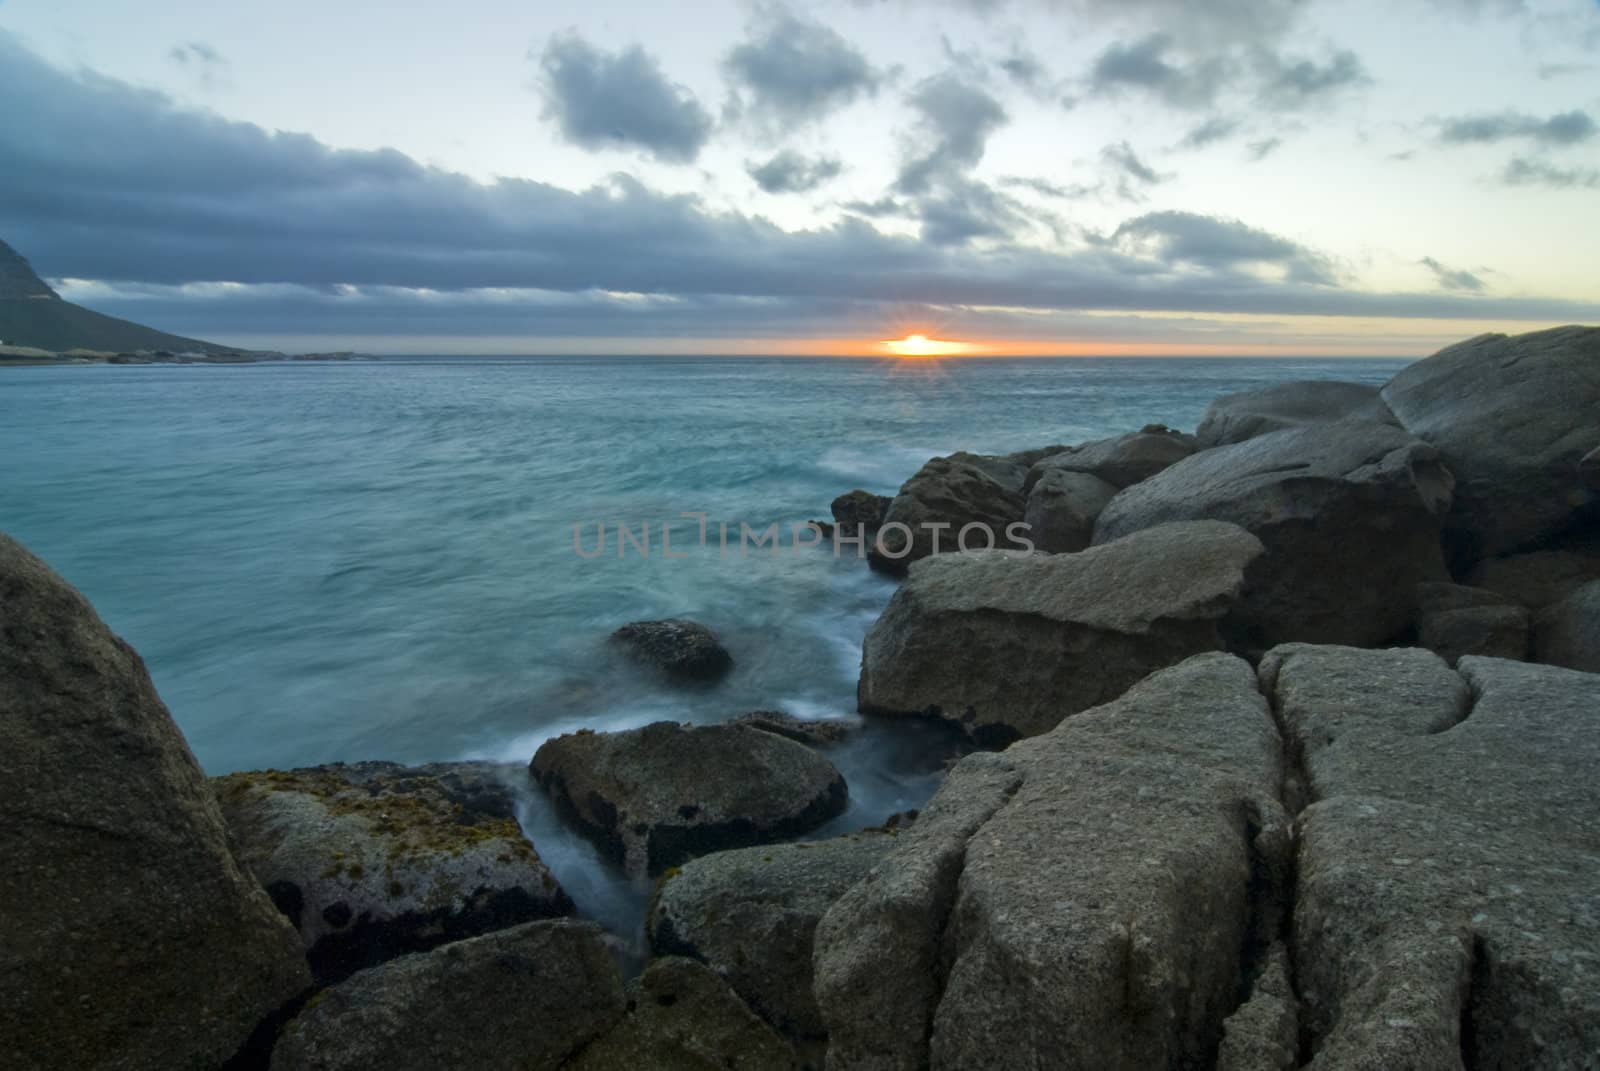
{"x":953,"y":493}
{"x":1121,"y":461}
{"x":1513,"y":417}
{"x":685,"y":650}
{"x":816,"y":732}
{"x":1447,"y":860}
{"x":682,"y":1017}
{"x":1079,"y":900}
{"x":1007,"y":645}
{"x":1233,"y":418}
{"x":1453,"y":620}
{"x":656,"y":797}
{"x":1062,"y":507}
{"x":1350,"y":515}
{"x":130,"y":937}
{"x":520,"y":999}
{"x":1539,"y":578}
{"x":375,"y":860}
{"x":1568,"y":632}
{"x":750,"y":915}
{"x":859,"y":512}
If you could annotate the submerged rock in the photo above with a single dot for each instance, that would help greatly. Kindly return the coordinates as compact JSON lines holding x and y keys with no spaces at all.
{"x":685,"y":650}
{"x":1062,"y":507}
{"x":130,"y":937}
{"x":1568,"y":632}
{"x":374,"y":860}
{"x":1350,"y":515}
{"x":1083,"y":899}
{"x":521,"y":999}
{"x":1513,"y":417}
{"x":1447,"y":860}
{"x":1120,"y":461}
{"x":1453,"y":620}
{"x":750,"y":915}
{"x":1233,"y":418}
{"x":656,"y":797}
{"x":682,"y":1017}
{"x":1007,"y":645}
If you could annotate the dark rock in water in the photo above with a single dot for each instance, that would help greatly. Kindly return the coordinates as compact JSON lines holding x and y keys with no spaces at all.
{"x":817,"y":732}
{"x":1513,"y":417}
{"x":682,"y":1017}
{"x":1233,"y":418}
{"x":860,"y":511}
{"x":130,"y":937}
{"x":1568,"y":632}
{"x":1084,"y":899}
{"x":953,"y":492}
{"x":750,"y":915}
{"x":686,"y":650}
{"x":1350,"y":515}
{"x":1008,"y":645}
{"x":1539,"y":578}
{"x":376,"y":860}
{"x":1120,"y":461}
{"x":1453,"y":620}
{"x":656,"y":797}
{"x":1062,"y":507}
{"x":519,"y":999}
{"x":1447,"y":860}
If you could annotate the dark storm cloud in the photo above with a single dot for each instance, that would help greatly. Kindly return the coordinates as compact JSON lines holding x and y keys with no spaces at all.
{"x":791,"y":172}
{"x":1453,"y":278}
{"x":796,"y":69}
{"x":1568,"y":128}
{"x":1524,"y":172}
{"x":620,"y":100}
{"x":104,"y":181}
{"x":1150,"y":65}
{"x":956,"y":119}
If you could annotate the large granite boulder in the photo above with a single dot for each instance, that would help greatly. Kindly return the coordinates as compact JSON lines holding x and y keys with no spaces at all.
{"x":1539,"y":578}
{"x":1445,"y":907}
{"x":521,"y":999}
{"x":682,"y":1017}
{"x":1120,"y":461}
{"x":130,"y":936}
{"x":1006,"y":645}
{"x":1454,"y":620}
{"x":1086,"y":898}
{"x":683,"y":650}
{"x":656,"y":797}
{"x":1567,"y":633}
{"x":945,"y":496}
{"x":750,"y":915}
{"x":1513,"y":417}
{"x":374,"y":860}
{"x":1350,"y":515}
{"x":1233,"y":418}
{"x":1062,"y":507}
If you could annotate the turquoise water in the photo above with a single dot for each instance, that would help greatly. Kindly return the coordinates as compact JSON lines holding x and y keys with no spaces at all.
{"x":354,"y":561}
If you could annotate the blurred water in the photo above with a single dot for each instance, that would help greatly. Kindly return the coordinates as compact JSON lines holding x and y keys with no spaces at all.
{"x":327,"y":562}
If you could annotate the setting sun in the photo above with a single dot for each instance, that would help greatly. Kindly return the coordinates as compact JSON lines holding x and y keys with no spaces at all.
{"x":923,"y":346}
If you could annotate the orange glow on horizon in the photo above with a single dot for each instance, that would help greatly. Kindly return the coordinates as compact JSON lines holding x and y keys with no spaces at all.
{"x":923,"y":346}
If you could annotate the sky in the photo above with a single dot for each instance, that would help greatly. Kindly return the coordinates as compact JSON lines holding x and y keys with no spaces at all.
{"x":1024,"y":176}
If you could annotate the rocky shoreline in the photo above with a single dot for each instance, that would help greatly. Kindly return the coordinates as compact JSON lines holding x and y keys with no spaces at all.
{"x":27,"y":356}
{"x":1285,"y":740}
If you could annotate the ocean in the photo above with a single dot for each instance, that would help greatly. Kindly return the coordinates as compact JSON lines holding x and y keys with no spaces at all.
{"x":337,"y":562}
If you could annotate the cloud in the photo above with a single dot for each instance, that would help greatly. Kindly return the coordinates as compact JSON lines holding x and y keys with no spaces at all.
{"x":620,"y":100}
{"x":790,"y":172}
{"x":1567,"y":128}
{"x":1288,"y":84}
{"x":797,"y":70}
{"x":956,"y":120}
{"x":1260,"y":150}
{"x":1524,"y":172}
{"x":208,"y":66}
{"x":1146,"y":65}
{"x":1129,"y":174}
{"x":1453,"y":278}
{"x":1217,"y":128}
{"x":1211,"y":242}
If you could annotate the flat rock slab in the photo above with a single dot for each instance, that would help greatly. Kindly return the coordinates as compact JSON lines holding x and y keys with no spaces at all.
{"x":1006,"y":645}
{"x":751,"y":914}
{"x":521,"y":999}
{"x":130,"y":936}
{"x":1083,"y":899}
{"x":374,"y":860}
{"x":1448,"y":858}
{"x":1350,"y":515}
{"x":659,"y":796}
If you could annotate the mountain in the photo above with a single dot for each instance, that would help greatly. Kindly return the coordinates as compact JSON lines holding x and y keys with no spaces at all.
{"x":32,"y":314}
